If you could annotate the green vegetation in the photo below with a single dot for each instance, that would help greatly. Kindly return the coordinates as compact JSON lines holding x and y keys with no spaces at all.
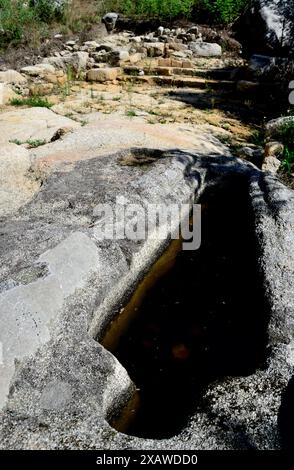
{"x":224,"y":11}
{"x":288,"y":160}
{"x":15,"y":18}
{"x":28,"y":21}
{"x":16,"y":142}
{"x":33,"y":102}
{"x":20,"y":20}
{"x":131,"y":113}
{"x":166,"y":9}
{"x":258,"y":137}
{"x":36,"y":143}
{"x":286,"y":135}
{"x":32,"y":143}
{"x":218,"y":11}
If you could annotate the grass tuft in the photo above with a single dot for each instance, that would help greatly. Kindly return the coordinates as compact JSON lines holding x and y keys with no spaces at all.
{"x":33,"y":102}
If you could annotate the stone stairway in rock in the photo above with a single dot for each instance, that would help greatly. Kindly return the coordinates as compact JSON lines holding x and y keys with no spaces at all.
{"x":182,"y":74}
{"x":210,"y":76}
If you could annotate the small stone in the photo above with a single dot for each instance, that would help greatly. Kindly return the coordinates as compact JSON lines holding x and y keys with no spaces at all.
{"x":60,"y":133}
{"x":91,"y":44}
{"x":193,"y":30}
{"x":160,"y":30}
{"x":272,"y":165}
{"x":136,"y":40}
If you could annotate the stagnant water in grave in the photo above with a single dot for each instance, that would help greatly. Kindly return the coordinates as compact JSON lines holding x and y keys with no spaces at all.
{"x":204,"y":320}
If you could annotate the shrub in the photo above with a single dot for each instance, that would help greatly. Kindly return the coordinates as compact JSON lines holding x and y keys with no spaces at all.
{"x":15,"y":16}
{"x":46,"y":10}
{"x":225,"y":11}
{"x":286,"y":136}
{"x":165,"y":9}
{"x":288,"y":160}
{"x":218,"y":11}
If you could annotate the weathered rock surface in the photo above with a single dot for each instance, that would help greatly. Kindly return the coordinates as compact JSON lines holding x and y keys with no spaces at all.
{"x":108,"y":133}
{"x":31,"y":124}
{"x":60,"y":286}
{"x":265,"y":66}
{"x":17,"y":185}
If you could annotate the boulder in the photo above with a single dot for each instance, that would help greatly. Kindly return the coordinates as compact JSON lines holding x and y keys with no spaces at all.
{"x":58,"y":78}
{"x":252,"y":154}
{"x":90,"y":46}
{"x":57,"y":63}
{"x":274,"y":127}
{"x":154,"y":49}
{"x":267,"y":27}
{"x":110,"y":20}
{"x":205,"y":49}
{"x":61,"y":286}
{"x":102,"y":75}
{"x":38,"y":70}
{"x":41,"y":89}
{"x":76,"y":61}
{"x":115,"y":58}
{"x":160,"y":31}
{"x":12,"y":77}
